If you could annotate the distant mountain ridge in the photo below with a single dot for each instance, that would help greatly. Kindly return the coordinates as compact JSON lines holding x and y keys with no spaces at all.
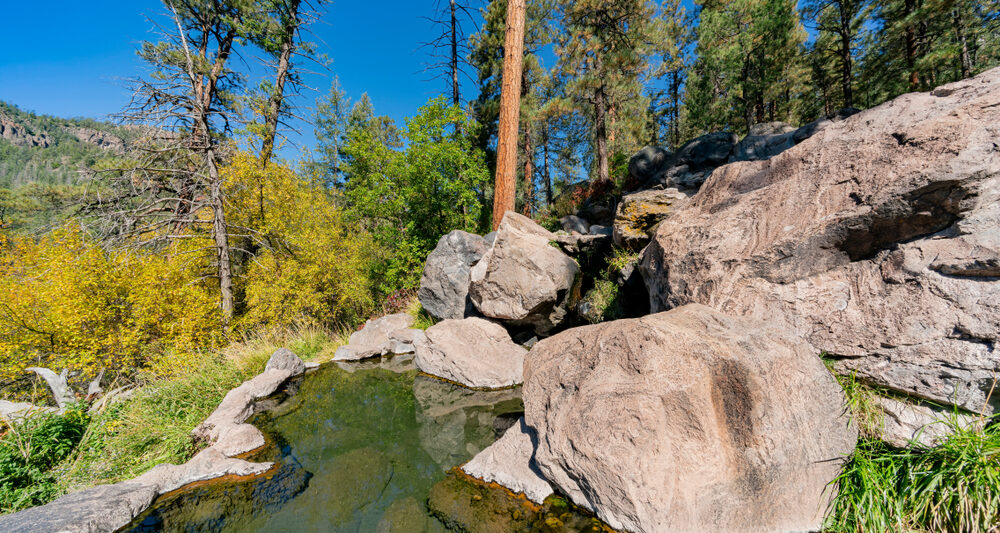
{"x":51,"y":150}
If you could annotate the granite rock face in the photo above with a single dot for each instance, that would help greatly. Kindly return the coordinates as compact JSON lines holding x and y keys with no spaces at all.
{"x":524,"y":280}
{"x":510,"y":462}
{"x":473,"y":352}
{"x":688,"y":420}
{"x":877,"y":239}
{"x":444,"y":286}
{"x":905,"y":424}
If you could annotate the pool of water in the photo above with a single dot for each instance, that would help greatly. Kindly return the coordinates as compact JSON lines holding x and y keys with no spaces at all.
{"x":357,"y":449}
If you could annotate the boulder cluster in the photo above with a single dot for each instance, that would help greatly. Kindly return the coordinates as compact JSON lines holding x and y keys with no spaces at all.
{"x":871,"y":238}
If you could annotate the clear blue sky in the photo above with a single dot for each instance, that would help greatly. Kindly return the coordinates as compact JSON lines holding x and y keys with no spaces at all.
{"x":70,"y":58}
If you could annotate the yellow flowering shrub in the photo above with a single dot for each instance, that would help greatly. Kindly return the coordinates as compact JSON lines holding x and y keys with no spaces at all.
{"x":309,"y":265}
{"x":67,"y":303}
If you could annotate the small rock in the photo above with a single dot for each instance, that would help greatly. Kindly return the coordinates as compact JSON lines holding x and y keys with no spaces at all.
{"x":374,"y":338}
{"x":638,"y":213}
{"x":573,"y":223}
{"x":907,"y":423}
{"x":285,"y":359}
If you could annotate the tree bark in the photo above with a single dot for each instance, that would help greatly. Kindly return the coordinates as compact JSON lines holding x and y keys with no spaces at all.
{"x":529,"y":177}
{"x":277,"y":96}
{"x":963,"y":45}
{"x":601,"y":133}
{"x":510,"y":110}
{"x":846,"y":77}
{"x":910,"y":38}
{"x":455,"y":96}
{"x":220,"y":234}
{"x":545,"y":165}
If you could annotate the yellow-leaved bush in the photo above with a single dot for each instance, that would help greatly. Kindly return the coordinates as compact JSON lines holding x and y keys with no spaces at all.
{"x":309,"y":267}
{"x":66,"y":302}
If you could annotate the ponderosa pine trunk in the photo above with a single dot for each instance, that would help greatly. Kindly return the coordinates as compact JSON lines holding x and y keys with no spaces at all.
{"x":846,"y":77}
{"x":601,"y":133}
{"x":277,"y":96}
{"x":510,"y":110}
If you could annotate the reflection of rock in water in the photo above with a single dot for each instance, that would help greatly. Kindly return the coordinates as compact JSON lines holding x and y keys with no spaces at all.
{"x":215,"y":506}
{"x":337,"y":494}
{"x":457,"y":423}
{"x":398,"y":364}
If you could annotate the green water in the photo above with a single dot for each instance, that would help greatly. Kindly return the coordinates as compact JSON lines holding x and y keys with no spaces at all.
{"x":356,"y":451}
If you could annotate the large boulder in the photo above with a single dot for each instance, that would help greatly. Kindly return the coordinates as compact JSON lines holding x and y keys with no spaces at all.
{"x":444,"y":286}
{"x":473,"y":352}
{"x":638,"y":213}
{"x":523,"y":279}
{"x":573,"y":223}
{"x":649,"y":164}
{"x":376,"y":338}
{"x":688,"y":420}
{"x":876,"y":239}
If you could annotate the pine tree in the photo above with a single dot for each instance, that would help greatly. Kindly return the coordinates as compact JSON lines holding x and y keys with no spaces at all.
{"x":748,"y":64}
{"x":604,"y":50}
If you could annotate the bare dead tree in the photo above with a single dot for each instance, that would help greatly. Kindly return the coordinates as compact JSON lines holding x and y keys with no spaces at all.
{"x":169,"y":187}
{"x":449,"y":51}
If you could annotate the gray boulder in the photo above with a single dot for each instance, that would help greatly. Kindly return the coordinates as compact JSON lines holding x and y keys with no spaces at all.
{"x":510,"y":462}
{"x":374,"y":339}
{"x":573,"y":223}
{"x":649,"y":164}
{"x":473,"y":352}
{"x":638,"y":213}
{"x":523,"y":279}
{"x":225,"y":429}
{"x":444,"y":286}
{"x":875,"y":239}
{"x":905,"y":423}
{"x":285,"y":359}
{"x":688,"y":420}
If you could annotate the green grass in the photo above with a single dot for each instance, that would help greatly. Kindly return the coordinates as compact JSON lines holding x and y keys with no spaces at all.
{"x":951,"y":487}
{"x":954,"y":486}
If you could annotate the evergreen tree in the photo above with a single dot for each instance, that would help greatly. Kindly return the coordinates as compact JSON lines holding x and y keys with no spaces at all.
{"x":748,"y":67}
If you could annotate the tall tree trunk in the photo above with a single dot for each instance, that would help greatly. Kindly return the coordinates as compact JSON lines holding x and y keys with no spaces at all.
{"x":963,"y":45}
{"x":278,"y":95}
{"x":675,"y":134}
{"x":545,"y":165}
{"x":220,"y":234}
{"x":529,"y":175}
{"x":910,"y":38}
{"x":846,"y":77}
{"x":455,"y":96}
{"x":510,"y":110}
{"x":601,"y":133}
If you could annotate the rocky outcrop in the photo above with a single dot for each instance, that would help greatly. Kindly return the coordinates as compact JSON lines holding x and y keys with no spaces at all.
{"x":876,"y":239}
{"x":510,"y":462}
{"x":374,"y":339}
{"x":905,"y":424}
{"x":473,"y":352}
{"x":444,"y":286}
{"x":638,"y":213}
{"x":688,"y":420}
{"x":523,"y":279}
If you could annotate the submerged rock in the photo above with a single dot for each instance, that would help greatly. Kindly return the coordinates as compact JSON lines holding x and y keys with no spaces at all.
{"x":444,"y":286}
{"x":874,"y":239}
{"x":688,"y":420}
{"x":510,"y":461}
{"x":523,"y":279}
{"x":374,"y":338}
{"x":473,"y":352}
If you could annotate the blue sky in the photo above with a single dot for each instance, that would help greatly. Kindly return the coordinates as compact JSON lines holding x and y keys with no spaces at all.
{"x":70,"y":58}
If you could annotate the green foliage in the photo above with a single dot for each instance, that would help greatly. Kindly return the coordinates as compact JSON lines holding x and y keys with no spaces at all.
{"x":603,"y":302}
{"x":408,"y":198}
{"x":29,"y":451}
{"x":954,"y":486}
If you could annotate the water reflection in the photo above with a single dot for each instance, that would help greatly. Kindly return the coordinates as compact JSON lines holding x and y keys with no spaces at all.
{"x":358,"y":450}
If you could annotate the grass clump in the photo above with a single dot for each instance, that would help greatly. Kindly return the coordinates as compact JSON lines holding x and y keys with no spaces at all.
{"x":954,"y":486}
{"x":29,"y":452}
